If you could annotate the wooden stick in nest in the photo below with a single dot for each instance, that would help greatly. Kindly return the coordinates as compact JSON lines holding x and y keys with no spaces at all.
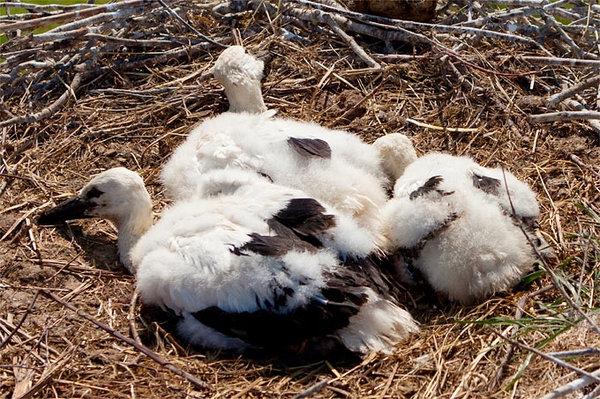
{"x":595,"y":378}
{"x":564,"y":116}
{"x":572,"y":386}
{"x":140,"y":347}
{"x":51,"y":109}
{"x":573,"y":90}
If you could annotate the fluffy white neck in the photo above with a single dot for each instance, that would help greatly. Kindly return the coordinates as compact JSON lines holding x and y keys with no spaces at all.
{"x":245,"y":96}
{"x":131,"y":228}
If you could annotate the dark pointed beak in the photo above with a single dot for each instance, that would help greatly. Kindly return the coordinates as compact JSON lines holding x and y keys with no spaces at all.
{"x":71,"y":209}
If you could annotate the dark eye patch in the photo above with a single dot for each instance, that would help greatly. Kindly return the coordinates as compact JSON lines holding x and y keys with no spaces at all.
{"x":93,"y":193}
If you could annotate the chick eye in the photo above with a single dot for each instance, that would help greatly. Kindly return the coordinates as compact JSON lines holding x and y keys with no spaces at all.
{"x":93,"y":193}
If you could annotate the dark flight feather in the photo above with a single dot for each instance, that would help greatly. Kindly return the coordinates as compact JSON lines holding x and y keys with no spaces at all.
{"x":311,"y":147}
{"x":486,"y":184}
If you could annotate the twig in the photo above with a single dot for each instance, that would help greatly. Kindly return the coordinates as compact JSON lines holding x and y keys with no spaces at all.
{"x":572,"y":386}
{"x":351,"y":42}
{"x":27,"y":312}
{"x":475,"y":66}
{"x":574,"y":90}
{"x":572,"y":303}
{"x":361,"y":102}
{"x":68,"y":16}
{"x":447,"y":129}
{"x":107,"y":16}
{"x":564,"y":116}
{"x":578,"y":161}
{"x":139,"y":42}
{"x":313,"y":389}
{"x":571,"y":62}
{"x":381,"y":23}
{"x":576,"y":353}
{"x":51,"y":109}
{"x":549,"y":19}
{"x":49,"y":373}
{"x":595,"y":378}
{"x":140,"y":347}
{"x":518,"y":314}
{"x":594,"y":123}
{"x":131,"y":317}
{"x":190,"y":27}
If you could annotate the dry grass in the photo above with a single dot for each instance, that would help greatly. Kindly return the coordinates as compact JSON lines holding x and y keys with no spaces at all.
{"x":135,"y":118}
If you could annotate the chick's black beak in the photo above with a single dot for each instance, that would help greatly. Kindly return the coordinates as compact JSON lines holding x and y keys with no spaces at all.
{"x":71,"y":209}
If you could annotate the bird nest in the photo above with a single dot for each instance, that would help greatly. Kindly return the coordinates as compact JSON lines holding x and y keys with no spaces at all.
{"x":512,"y":83}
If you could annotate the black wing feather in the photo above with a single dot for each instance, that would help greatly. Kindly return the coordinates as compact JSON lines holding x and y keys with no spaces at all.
{"x":430,"y":185}
{"x":311,"y":147}
{"x":487,"y":184}
{"x":270,"y":328}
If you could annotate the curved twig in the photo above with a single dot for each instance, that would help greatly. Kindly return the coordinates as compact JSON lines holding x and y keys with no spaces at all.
{"x":51,"y":109}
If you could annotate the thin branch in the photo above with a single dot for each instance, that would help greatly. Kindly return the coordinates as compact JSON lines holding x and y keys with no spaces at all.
{"x":46,"y":112}
{"x":578,"y":161}
{"x":595,"y":378}
{"x":442,"y":128}
{"x":140,"y":347}
{"x":27,"y":312}
{"x":564,"y":116}
{"x":572,"y":386}
{"x":313,"y":389}
{"x":190,"y":27}
{"x":382,"y":23}
{"x":351,"y":42}
{"x":555,"y":61}
{"x":68,"y":16}
{"x":573,"y":90}
{"x":139,"y":42}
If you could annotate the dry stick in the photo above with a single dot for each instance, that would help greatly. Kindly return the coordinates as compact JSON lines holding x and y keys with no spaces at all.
{"x":186,"y":51}
{"x":8,"y":327}
{"x":578,"y":161}
{"x":361,"y":28}
{"x":68,"y":16}
{"x":545,"y":355}
{"x":571,"y":62}
{"x":511,"y":349}
{"x":140,"y":347}
{"x":49,"y":373}
{"x":576,"y":353}
{"x":571,"y":386}
{"x":595,"y":124}
{"x":549,"y":19}
{"x":517,"y":3}
{"x":27,"y":312}
{"x":361,"y":102}
{"x":574,"y":90}
{"x":190,"y":27}
{"x":79,"y":33}
{"x":499,"y":16}
{"x":313,"y":389}
{"x":594,"y":394}
{"x":399,"y":25}
{"x":351,"y":42}
{"x":489,"y":71}
{"x":564,"y":116}
{"x":442,"y":128}
{"x":137,"y":42}
{"x":33,"y":8}
{"x":104,"y":17}
{"x":131,"y":317}
{"x":46,"y":112}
